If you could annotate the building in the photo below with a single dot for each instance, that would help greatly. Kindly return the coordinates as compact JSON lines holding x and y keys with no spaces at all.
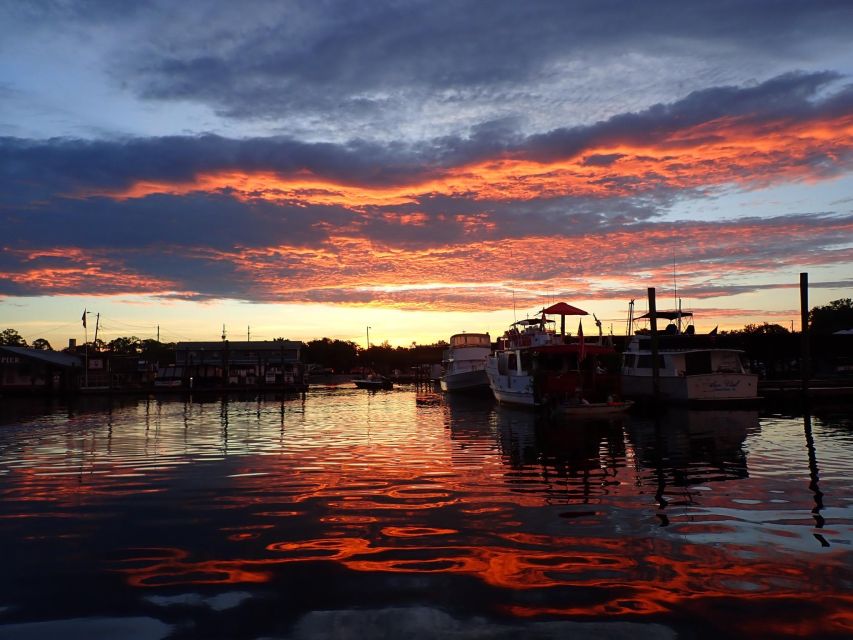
{"x":269,"y":364}
{"x":26,"y":370}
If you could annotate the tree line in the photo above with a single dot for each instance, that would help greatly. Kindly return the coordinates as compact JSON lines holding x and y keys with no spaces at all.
{"x":345,"y":355}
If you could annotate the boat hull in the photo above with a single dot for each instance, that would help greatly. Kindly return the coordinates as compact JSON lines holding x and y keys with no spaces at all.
{"x":373,"y":384}
{"x":699,"y":388}
{"x":465,"y":381}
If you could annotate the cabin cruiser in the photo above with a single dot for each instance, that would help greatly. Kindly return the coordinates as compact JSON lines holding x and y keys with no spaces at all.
{"x":464,"y":362}
{"x":692,"y":368}
{"x":537,"y":367}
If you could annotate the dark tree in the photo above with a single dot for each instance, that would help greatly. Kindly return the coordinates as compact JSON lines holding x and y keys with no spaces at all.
{"x":43,"y":344}
{"x":11,"y":338}
{"x":125,"y":346}
{"x":765,"y":329}
{"x":836,"y":316}
{"x":339,"y":355}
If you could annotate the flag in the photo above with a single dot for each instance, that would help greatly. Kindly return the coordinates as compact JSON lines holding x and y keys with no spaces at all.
{"x":84,"y":318}
{"x":581,"y":344}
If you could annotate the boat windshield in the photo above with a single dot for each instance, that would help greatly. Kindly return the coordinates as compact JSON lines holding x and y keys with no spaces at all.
{"x":471,"y":340}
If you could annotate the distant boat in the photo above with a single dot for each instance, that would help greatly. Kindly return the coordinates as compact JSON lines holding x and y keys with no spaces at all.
{"x":374,"y":381}
{"x":464,"y":362}
{"x":692,"y":368}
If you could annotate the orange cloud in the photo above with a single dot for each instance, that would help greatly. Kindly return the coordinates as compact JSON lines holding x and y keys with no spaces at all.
{"x":726,"y":150}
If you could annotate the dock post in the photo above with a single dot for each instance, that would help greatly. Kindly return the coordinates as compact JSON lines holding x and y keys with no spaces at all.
{"x":805,"y":357}
{"x":653,"y":325}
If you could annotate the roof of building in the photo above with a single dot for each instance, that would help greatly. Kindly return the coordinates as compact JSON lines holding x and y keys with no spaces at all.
{"x":242,"y":345}
{"x":57,"y":358}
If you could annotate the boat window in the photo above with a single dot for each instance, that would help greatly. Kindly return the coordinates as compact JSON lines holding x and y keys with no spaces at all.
{"x":502,"y":363}
{"x":630,"y":360}
{"x":697,"y":362}
{"x":645,"y":362}
{"x":728,"y":361}
{"x":511,"y":362}
{"x":525,"y":360}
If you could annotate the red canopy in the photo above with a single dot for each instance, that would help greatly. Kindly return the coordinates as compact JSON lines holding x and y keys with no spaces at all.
{"x":563,"y":309}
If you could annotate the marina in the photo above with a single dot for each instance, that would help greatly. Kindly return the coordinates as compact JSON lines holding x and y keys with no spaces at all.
{"x":413,"y":513}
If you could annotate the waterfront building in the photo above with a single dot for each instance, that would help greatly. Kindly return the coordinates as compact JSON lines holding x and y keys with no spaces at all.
{"x":236,"y":364}
{"x":27,"y":370}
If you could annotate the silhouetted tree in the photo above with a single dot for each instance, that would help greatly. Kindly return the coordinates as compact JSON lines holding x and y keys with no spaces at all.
{"x":765,"y":329}
{"x":339,"y":355}
{"x":836,"y":316}
{"x":43,"y":344}
{"x":125,"y":346}
{"x":11,"y":338}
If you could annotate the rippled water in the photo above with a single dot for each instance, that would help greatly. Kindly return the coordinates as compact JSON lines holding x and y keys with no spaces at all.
{"x":349,"y":513}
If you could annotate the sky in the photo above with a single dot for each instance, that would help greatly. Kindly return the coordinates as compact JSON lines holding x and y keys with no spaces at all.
{"x":312,"y":169}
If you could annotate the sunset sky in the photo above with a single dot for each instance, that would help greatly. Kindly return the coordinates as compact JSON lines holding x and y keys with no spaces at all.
{"x":309,"y":169}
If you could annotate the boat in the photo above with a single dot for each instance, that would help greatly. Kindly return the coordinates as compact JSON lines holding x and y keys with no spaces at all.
{"x":692,"y":368}
{"x":535,"y":366}
{"x":464,"y":362}
{"x":373,"y":381}
{"x":569,"y":409}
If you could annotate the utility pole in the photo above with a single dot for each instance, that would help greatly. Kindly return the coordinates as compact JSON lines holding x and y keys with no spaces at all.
{"x":368,"y":337}
{"x":97,"y":323}
{"x":158,"y":333}
{"x":248,"y":334}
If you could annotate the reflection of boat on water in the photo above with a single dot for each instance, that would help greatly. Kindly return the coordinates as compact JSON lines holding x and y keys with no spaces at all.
{"x":692,"y":368}
{"x":465,"y":361}
{"x":692,"y":446}
{"x":374,"y":381}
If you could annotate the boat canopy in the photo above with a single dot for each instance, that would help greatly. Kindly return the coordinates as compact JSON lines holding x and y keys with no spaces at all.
{"x":563,"y":309}
{"x":529,"y":322}
{"x":668,"y":315}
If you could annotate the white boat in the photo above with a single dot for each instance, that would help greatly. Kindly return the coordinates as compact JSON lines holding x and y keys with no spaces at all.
{"x":464,"y":362}
{"x":692,"y":368}
{"x":536,"y":366}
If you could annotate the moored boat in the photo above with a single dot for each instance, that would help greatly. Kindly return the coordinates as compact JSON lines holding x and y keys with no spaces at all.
{"x":591,"y":409}
{"x":537,"y":367}
{"x":692,"y":368}
{"x":374,"y":381}
{"x":464,"y":362}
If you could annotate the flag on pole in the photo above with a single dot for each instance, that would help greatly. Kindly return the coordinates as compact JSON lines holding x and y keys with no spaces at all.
{"x":581,"y":344}
{"x":84,"y":318}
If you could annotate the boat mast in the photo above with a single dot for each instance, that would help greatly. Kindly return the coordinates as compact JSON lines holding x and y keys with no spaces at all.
{"x":629,"y":329}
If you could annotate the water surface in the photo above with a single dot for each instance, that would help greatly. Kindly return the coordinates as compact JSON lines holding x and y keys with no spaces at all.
{"x":347,"y":513}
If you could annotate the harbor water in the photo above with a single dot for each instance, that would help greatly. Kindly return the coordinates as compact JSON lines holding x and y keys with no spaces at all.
{"x":347,"y":513}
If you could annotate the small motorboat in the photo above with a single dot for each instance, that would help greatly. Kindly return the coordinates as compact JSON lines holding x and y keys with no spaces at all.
{"x":374,"y":381}
{"x":591,"y":409}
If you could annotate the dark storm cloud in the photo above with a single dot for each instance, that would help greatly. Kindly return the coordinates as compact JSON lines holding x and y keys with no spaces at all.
{"x":348,"y":60}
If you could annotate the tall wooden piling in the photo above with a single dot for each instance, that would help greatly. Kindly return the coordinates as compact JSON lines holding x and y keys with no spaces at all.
{"x":805,"y":356}
{"x":653,"y":325}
